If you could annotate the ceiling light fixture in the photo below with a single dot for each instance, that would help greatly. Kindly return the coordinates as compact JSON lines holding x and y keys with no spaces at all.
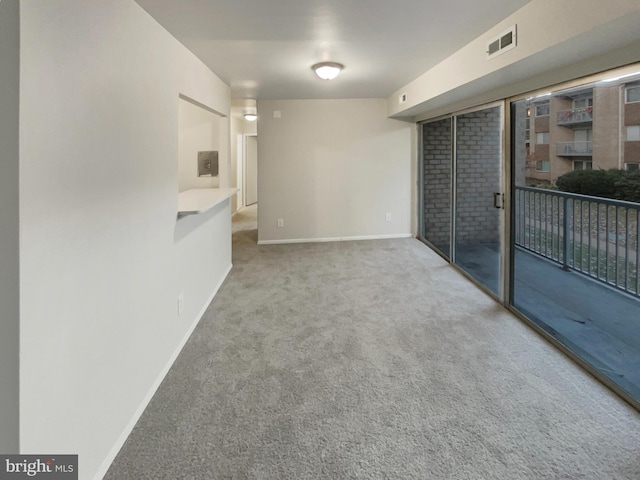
{"x":327,"y":70}
{"x":250,"y":109}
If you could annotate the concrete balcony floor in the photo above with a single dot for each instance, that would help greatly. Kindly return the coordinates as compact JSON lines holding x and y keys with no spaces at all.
{"x":599,"y":323}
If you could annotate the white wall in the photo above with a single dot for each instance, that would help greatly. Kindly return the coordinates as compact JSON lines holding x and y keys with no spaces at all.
{"x":199,"y":130}
{"x":9,"y":230}
{"x":332,"y":169}
{"x":103,"y":256}
{"x":557,"y":41}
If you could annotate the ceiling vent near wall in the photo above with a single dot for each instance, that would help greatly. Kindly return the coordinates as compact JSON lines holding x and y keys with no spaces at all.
{"x":502,"y":43}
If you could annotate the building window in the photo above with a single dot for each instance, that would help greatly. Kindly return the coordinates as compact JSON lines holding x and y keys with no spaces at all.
{"x":542,"y":110}
{"x":632,"y":94}
{"x":543,"y":166}
{"x":542,"y":138}
{"x":582,"y":103}
{"x":633,"y":133}
{"x":633,"y":167}
{"x":582,"y":165}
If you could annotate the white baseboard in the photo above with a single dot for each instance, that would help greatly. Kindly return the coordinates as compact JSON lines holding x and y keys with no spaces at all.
{"x":147,"y":398}
{"x":334,"y":239}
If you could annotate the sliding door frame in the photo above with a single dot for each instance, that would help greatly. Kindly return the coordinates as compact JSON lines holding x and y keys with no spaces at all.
{"x":421,"y":190}
{"x":506,"y":296}
{"x":509,"y":286}
{"x":505,"y":171}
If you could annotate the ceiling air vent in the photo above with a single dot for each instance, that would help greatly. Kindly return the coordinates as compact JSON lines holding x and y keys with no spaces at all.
{"x":502,"y":43}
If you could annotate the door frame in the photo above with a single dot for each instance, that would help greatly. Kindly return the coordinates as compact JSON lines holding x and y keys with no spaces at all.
{"x":244,"y":168}
{"x":504,"y":182}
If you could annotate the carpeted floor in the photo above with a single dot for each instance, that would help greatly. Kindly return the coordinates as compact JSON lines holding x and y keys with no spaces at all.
{"x":371,"y":359}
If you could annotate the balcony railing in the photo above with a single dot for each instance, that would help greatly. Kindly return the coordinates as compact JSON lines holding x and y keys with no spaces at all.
{"x":574,"y":116}
{"x":597,"y":237}
{"x":572,"y":149}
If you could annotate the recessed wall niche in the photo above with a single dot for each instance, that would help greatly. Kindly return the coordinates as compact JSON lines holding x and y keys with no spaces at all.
{"x":199,"y":146}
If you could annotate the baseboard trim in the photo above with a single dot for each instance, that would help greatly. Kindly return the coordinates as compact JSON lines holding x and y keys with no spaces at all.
{"x":334,"y":239}
{"x":102,"y":471}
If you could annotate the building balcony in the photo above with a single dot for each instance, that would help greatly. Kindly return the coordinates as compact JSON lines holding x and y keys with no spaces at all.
{"x":574,"y":149}
{"x":575,"y":116}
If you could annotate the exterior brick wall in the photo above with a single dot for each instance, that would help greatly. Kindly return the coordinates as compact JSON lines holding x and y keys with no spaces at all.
{"x":541,"y":124}
{"x":632,"y":114}
{"x":437,"y":181}
{"x":632,"y":152}
{"x":520,"y":142}
{"x":606,"y":127}
{"x":478,"y":176}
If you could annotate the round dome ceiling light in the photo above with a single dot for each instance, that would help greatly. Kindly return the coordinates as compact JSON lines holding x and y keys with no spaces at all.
{"x":327,"y":70}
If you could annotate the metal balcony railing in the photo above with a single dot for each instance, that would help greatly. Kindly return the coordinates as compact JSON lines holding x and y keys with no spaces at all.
{"x":574,"y":115}
{"x":597,"y":237}
{"x":572,"y":149}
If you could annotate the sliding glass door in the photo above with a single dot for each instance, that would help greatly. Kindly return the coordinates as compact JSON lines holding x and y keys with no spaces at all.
{"x":436,"y":177}
{"x":567,"y":259}
{"x":478,"y":193}
{"x":575,"y":206}
{"x":461,"y":207}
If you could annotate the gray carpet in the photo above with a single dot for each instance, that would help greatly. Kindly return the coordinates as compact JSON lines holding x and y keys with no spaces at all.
{"x":371,"y":359}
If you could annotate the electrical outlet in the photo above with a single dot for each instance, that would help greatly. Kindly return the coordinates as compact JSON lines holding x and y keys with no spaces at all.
{"x":388,"y":217}
{"x":280,"y":222}
{"x":180,"y":304}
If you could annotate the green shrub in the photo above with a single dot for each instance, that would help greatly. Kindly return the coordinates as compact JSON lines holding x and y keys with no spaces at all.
{"x":598,"y":183}
{"x":628,"y":187}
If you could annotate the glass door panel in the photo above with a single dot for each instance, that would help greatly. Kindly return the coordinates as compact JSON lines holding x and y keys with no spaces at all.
{"x":478,"y":212}
{"x":575,"y":256}
{"x":436,"y":176}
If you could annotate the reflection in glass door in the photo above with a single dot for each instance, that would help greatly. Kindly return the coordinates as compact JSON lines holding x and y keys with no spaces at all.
{"x":462,"y":167}
{"x":436,"y":175}
{"x":478,"y":204}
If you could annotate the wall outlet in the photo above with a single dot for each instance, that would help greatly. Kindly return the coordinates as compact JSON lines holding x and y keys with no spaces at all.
{"x":280,"y":223}
{"x":388,"y":217}
{"x":180,"y":303}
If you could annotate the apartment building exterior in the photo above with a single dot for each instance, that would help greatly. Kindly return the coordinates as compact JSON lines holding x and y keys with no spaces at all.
{"x":595,"y":126}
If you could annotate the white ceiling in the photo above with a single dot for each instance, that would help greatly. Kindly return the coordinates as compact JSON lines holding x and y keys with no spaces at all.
{"x":264,"y":49}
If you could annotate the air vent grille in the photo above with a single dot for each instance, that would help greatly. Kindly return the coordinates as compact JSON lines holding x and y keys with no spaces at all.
{"x":502,"y":43}
{"x":494,"y":47}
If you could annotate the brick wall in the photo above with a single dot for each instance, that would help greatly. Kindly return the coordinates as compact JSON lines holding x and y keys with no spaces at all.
{"x":519,"y":119}
{"x":437,"y":181}
{"x":478,"y":176}
{"x":606,"y":127}
{"x":632,"y":114}
{"x":632,"y":152}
